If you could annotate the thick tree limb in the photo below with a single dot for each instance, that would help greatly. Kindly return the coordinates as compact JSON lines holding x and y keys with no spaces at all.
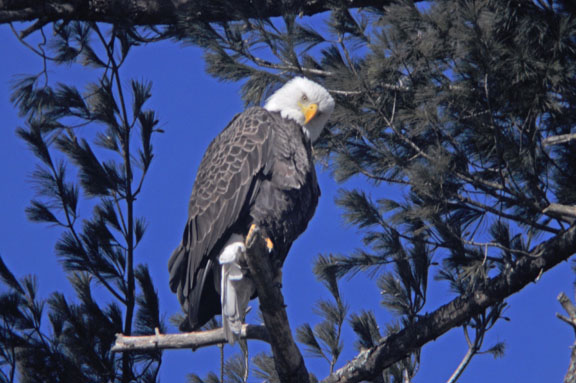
{"x":157,"y":12}
{"x":528,"y":269}
{"x":287,"y":357}
{"x":193,"y":340}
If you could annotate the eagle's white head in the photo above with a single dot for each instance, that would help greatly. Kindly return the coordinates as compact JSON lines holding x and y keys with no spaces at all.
{"x":305,"y":102}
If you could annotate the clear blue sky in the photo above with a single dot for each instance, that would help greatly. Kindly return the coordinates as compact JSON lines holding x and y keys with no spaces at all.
{"x":193,"y":108}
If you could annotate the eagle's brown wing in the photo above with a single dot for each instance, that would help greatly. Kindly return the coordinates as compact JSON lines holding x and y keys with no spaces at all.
{"x":225,"y":184}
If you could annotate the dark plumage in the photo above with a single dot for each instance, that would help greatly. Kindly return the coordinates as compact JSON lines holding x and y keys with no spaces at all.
{"x":259,"y":170}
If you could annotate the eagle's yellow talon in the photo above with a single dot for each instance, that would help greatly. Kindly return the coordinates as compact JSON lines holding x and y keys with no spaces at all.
{"x":250,"y":234}
{"x":269,"y":245}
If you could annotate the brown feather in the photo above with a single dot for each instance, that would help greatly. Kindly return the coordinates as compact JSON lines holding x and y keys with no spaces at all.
{"x":258,"y":170}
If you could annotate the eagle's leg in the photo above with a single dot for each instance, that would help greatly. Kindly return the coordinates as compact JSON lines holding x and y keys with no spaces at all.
{"x":253,"y":230}
{"x":236,"y":289}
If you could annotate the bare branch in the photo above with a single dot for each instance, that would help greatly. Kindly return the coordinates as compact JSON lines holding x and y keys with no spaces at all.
{"x":570,"y":308}
{"x":473,"y":350}
{"x":557,"y":210}
{"x":33,"y":28}
{"x":462,"y":366}
{"x":193,"y":340}
{"x":484,"y":245}
{"x":369,"y":363}
{"x":561,"y":139}
{"x":565,"y":319}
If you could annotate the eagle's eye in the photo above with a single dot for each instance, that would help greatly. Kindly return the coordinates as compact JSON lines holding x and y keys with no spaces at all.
{"x":304,"y":97}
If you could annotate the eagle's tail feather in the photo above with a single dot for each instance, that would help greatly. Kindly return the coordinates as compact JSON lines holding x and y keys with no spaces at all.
{"x":198,"y":303}
{"x":236,"y":290}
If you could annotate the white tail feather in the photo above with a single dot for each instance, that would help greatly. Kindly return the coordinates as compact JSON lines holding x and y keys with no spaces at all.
{"x":236,"y":290}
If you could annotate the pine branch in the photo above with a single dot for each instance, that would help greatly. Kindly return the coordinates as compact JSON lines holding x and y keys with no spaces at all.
{"x":158,"y":12}
{"x":513,"y":217}
{"x":369,"y":363}
{"x":124,"y":139}
{"x":193,"y":340}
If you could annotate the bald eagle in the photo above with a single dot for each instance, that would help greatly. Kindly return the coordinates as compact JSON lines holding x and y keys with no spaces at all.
{"x":258,"y":172}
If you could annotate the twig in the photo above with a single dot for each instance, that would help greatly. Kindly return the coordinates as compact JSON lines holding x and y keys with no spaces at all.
{"x":473,"y":349}
{"x":39,"y":24}
{"x":462,"y":366}
{"x":27,"y":45}
{"x":560,"y":139}
{"x":569,"y":308}
{"x":486,"y":245}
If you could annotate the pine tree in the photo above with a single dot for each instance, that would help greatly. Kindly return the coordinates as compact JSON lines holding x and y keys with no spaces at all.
{"x":57,"y":339}
{"x":466,"y":107}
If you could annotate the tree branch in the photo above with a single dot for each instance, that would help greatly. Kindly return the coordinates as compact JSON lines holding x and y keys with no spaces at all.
{"x":371,"y":362}
{"x":193,"y":340}
{"x":560,"y":211}
{"x":557,"y":140}
{"x":157,"y":12}
{"x":569,"y":307}
{"x":287,"y":357}
{"x":500,"y":213}
{"x":462,"y":365}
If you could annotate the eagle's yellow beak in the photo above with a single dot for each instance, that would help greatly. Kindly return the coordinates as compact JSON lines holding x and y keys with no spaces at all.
{"x":309,"y":111}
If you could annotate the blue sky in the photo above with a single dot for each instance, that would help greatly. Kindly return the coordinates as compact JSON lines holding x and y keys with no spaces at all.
{"x":192,"y":108}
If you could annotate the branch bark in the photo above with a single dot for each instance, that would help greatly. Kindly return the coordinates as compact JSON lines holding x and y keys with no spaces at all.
{"x":557,"y":140}
{"x":287,"y":357}
{"x":560,"y":211}
{"x":158,"y":12}
{"x":569,"y":307}
{"x":193,"y":340}
{"x":369,"y":363}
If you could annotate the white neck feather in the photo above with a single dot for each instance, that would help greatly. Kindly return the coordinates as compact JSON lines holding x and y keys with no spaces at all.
{"x":286,"y":101}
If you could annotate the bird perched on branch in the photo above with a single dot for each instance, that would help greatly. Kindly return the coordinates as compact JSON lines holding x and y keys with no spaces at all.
{"x":257,"y":173}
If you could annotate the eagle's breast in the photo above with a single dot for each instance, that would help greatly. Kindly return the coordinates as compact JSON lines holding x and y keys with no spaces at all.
{"x":288,"y":196}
